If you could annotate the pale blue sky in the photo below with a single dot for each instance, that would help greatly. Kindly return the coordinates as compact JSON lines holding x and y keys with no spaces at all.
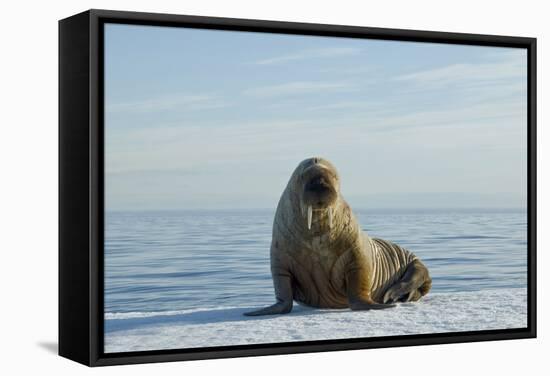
{"x":217,"y":119}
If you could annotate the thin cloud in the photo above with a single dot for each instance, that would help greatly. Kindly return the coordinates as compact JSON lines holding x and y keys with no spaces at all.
{"x":466,"y":72}
{"x":345,"y":105}
{"x":319,"y":53}
{"x":355,"y":70}
{"x":299,"y":87}
{"x":161,"y":145}
{"x":159,"y":172}
{"x":267,"y":150}
{"x":473,"y":119}
{"x":176,"y":101}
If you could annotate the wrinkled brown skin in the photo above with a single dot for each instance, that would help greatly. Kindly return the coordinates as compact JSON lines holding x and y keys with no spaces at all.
{"x":334,"y":265}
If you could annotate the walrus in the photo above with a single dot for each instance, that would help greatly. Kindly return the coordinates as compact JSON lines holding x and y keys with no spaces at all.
{"x":321,"y":258}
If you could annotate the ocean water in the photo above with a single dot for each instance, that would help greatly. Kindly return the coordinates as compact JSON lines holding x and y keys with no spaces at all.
{"x":185,"y":260}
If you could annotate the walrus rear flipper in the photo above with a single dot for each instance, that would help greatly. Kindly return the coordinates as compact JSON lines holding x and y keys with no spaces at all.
{"x":414,"y":284}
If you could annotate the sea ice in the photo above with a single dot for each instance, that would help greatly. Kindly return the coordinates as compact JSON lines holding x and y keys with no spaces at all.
{"x":222,"y":326}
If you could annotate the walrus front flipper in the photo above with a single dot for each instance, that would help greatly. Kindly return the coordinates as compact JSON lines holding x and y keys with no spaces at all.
{"x":275,"y":309}
{"x":414,"y":284}
{"x":365,"y":305}
{"x":283,"y":293}
{"x":358,"y":291}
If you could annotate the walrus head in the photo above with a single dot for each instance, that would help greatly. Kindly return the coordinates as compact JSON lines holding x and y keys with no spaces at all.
{"x":318,"y":187}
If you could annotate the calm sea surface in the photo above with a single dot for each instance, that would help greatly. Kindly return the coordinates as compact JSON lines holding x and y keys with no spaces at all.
{"x":176,"y":260}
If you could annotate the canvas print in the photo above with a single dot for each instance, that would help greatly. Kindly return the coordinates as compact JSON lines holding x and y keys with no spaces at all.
{"x":266,"y":188}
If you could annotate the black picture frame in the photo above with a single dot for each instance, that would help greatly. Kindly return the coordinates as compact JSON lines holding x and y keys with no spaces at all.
{"x":81,"y":186}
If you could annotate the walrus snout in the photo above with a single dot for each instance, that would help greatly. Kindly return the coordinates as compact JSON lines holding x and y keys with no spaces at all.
{"x":318,"y":184}
{"x":319,"y":192}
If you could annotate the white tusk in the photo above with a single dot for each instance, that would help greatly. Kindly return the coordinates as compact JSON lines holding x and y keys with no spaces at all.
{"x":309,"y":216}
{"x":330,"y":217}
